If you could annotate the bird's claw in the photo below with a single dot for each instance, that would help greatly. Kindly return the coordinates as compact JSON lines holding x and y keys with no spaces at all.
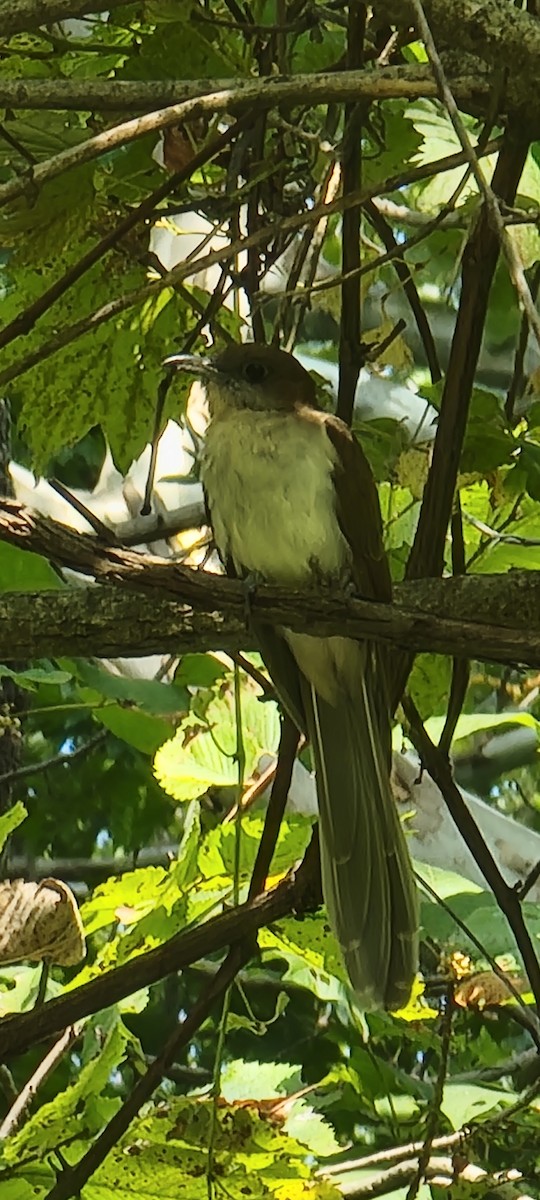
{"x":250,"y":584}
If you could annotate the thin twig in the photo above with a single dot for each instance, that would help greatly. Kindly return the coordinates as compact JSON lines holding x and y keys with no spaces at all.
{"x":427,"y":554}
{"x":16,"y":144}
{"x":254,"y":673}
{"x":70,"y":333}
{"x":460,"y":666}
{"x":288,"y":748}
{"x":82,"y":509}
{"x":517,"y":381}
{"x":38,"y":1076}
{"x":290,"y":317}
{"x":494,"y":535}
{"x":57,"y":760}
{"x":351,"y":358}
{"x":523,"y":889}
{"x":25,"y":320}
{"x":438,"y":767}
{"x":434,"y":1111}
{"x":403,"y":273}
{"x":251,"y":794}
{"x":222,"y":1028}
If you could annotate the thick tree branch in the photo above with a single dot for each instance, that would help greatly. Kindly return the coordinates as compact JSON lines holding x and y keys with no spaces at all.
{"x":122,"y":95}
{"x":494,"y":31}
{"x":228,"y":97}
{"x":30,"y":14}
{"x":148,"y":605}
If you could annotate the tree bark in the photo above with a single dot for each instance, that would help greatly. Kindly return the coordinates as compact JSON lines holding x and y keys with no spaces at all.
{"x":149,"y":605}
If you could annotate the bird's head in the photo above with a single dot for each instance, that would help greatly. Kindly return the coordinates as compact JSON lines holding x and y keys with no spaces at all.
{"x":249,"y":376}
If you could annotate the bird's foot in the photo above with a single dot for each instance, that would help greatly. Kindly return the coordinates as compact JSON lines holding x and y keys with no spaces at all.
{"x":250,"y":584}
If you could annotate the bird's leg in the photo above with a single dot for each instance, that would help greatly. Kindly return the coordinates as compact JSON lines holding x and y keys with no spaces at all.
{"x":250,"y":583}
{"x":332,"y":585}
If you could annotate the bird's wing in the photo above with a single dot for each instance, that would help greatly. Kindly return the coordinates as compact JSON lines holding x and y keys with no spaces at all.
{"x":358,"y":513}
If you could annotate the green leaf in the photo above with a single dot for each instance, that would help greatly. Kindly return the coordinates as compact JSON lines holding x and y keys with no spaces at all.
{"x":138,"y":891}
{"x":462,"y":1102}
{"x":255,"y":1156}
{"x":394,"y":142}
{"x":109,"y":376}
{"x":311,"y":1128}
{"x":52,"y":222}
{"x":218,"y":851}
{"x":383,"y":441}
{"x":312,"y":956}
{"x":149,"y":694}
{"x":187,"y":768}
{"x":315,"y":54}
{"x":488,"y":441}
{"x":11,"y":820}
{"x":179,"y":49}
{"x":40,"y":1178}
{"x":448,"y":883}
{"x":400,"y":515}
{"x":21,"y":571}
{"x":75,"y":1110}
{"x":470,"y":723}
{"x":477,"y":909}
{"x":199,"y":670}
{"x":439,"y":140}
{"x":35,"y":675}
{"x":185,"y":868}
{"x":186,"y":771}
{"x":429,"y":682}
{"x":529,"y":460}
{"x":136,"y":728}
{"x":243,"y":1080}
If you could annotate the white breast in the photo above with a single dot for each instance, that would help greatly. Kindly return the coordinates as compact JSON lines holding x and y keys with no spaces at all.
{"x":287,"y":535}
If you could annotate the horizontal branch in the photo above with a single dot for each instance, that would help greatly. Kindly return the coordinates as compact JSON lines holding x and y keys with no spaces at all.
{"x":148,"y":605}
{"x":117,"y":95}
{"x":30,"y":14}
{"x":490,"y":33}
{"x":233,"y":96}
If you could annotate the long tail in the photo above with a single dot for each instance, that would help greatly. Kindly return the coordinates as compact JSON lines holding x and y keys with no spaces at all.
{"x":367,"y":876}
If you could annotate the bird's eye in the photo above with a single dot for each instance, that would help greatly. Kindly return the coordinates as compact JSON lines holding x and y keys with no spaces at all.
{"x":255,"y":372}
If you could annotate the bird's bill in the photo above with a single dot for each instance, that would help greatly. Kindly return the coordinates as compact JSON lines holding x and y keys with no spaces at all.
{"x":192,"y":364}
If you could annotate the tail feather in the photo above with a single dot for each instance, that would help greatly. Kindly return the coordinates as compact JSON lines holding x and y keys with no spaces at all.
{"x":366,"y":872}
{"x":336,"y":691}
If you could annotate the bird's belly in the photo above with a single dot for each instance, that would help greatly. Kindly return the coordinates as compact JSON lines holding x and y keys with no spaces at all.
{"x":268,"y":479}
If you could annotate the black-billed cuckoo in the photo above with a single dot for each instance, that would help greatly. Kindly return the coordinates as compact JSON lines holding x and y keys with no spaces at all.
{"x":292,"y":501}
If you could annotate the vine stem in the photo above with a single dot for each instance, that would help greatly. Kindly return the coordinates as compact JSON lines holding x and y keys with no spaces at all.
{"x":222,"y":1032}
